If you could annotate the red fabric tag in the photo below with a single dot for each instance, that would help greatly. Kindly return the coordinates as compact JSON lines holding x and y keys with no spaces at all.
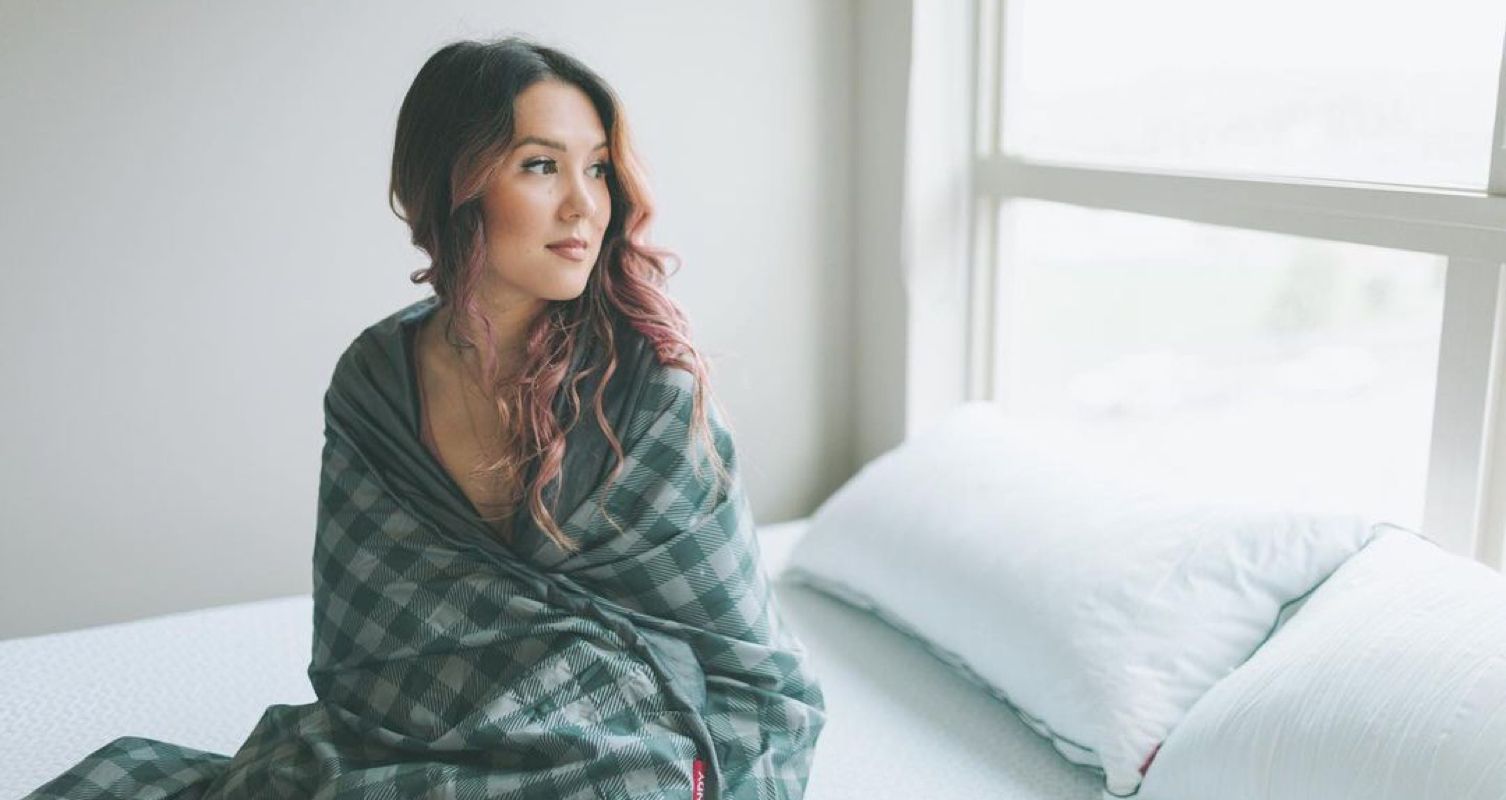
{"x":1148,"y":760}
{"x":697,"y":780}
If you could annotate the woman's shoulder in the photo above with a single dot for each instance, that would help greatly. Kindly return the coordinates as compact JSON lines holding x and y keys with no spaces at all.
{"x":655,"y":382}
{"x":381,"y":348}
{"x":667,"y":381}
{"x":389,"y":330}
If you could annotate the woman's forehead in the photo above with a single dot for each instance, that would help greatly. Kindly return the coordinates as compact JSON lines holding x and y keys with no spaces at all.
{"x":557,"y":115}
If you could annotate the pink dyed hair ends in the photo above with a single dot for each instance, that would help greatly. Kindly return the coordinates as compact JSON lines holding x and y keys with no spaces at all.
{"x":456,"y":119}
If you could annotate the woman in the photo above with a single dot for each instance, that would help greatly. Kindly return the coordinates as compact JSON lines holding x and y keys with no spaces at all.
{"x":534,"y":571}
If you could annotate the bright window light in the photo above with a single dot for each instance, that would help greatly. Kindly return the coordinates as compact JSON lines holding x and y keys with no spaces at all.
{"x":1361,"y":90}
{"x":1232,"y":364}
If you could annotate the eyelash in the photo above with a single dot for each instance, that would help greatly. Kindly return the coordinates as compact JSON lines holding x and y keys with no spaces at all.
{"x":606,"y":167}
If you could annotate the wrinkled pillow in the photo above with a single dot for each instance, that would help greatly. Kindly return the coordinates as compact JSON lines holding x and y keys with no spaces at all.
{"x":1100,"y":609}
{"x":1390,"y":684}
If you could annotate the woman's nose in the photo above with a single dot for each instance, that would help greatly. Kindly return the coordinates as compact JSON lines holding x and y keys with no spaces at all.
{"x":579,"y":201}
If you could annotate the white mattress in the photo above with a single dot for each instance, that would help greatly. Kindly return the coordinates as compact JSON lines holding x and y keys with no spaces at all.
{"x":900,"y":723}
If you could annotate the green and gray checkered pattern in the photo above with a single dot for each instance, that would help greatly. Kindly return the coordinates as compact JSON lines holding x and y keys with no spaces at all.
{"x":450,"y":665}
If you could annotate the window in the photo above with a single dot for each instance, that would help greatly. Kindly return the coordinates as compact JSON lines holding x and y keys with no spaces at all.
{"x":1348,"y":89}
{"x":1263,"y":277}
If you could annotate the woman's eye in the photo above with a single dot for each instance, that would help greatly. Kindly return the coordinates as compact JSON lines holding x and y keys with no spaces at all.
{"x":540,"y":166}
{"x":547,"y":166}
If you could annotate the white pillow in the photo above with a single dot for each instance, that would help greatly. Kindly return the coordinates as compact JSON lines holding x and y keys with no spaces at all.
{"x":1389,"y":685}
{"x":1100,"y":610}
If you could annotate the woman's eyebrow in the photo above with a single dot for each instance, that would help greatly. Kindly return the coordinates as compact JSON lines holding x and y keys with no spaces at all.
{"x":550,"y":143}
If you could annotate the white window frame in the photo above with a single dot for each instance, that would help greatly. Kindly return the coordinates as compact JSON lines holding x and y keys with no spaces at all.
{"x":1465,"y":505}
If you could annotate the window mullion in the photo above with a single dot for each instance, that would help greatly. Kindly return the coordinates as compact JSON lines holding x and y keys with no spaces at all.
{"x":987,"y":69}
{"x":982,"y":312}
{"x":983,"y":256}
{"x":1457,"y":495}
{"x":1466,"y":224}
{"x":1498,"y":140}
{"x":1491,"y":547}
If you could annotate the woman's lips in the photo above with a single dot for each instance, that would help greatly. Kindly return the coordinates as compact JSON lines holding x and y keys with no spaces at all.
{"x":574,"y":252}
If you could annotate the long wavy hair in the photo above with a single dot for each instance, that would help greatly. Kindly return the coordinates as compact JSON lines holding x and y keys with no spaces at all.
{"x":455,"y":124}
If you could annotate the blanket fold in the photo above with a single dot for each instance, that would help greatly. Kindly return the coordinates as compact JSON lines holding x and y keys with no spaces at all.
{"x":448,"y":663}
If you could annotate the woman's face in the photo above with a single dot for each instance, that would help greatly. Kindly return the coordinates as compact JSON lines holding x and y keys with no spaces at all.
{"x":547,"y":205}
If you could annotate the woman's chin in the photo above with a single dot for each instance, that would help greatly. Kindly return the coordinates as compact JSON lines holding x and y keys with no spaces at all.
{"x":552,"y":288}
{"x":563,"y":293}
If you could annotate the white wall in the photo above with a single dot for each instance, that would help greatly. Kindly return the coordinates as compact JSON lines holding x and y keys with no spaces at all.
{"x":193,"y":225}
{"x":913,"y":211}
{"x":881,"y":313}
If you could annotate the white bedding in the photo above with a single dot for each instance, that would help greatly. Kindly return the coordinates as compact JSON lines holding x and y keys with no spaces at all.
{"x":1390,"y":684}
{"x":1100,"y":604}
{"x":901,"y":724}
{"x":199,"y":678}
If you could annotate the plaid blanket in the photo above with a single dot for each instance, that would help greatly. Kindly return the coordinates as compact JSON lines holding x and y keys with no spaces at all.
{"x":653,"y":663}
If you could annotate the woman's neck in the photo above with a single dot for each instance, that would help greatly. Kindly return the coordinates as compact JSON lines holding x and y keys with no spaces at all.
{"x":509,"y":329}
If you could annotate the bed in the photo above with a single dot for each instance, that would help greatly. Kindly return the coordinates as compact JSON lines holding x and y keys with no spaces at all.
{"x":901,"y":723}
{"x":989,"y":616}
